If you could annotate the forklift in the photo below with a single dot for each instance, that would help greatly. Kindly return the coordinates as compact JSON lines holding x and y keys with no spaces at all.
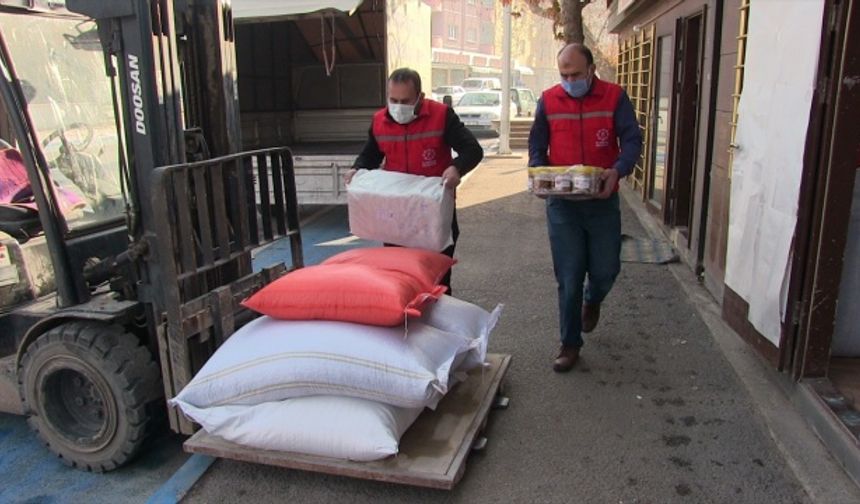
{"x":128,"y":216}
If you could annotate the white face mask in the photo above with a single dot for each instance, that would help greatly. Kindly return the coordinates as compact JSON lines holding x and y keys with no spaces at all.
{"x":401,"y":112}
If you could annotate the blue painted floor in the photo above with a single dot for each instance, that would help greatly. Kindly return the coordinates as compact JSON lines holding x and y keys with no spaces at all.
{"x":29,"y":473}
{"x":324,"y":234}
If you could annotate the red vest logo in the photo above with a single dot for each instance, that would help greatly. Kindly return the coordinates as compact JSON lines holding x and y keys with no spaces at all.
{"x":602,"y":138}
{"x":429,"y":157}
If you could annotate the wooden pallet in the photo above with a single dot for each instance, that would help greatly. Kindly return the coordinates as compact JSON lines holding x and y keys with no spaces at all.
{"x":433,"y":451}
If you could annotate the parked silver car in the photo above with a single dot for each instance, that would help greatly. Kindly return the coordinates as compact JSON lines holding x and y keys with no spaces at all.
{"x":479,"y":109}
{"x":525,"y":100}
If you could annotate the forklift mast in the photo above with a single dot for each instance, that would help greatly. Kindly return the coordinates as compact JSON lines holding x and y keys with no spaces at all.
{"x":195,"y":196}
{"x":170,"y":96}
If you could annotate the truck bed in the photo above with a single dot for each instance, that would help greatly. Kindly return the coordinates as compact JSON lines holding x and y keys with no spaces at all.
{"x":319,"y":169}
{"x":347,"y":148}
{"x":433,"y":451}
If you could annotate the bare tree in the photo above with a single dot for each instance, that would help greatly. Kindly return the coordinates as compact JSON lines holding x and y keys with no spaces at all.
{"x":571,"y":20}
{"x":566,"y":15}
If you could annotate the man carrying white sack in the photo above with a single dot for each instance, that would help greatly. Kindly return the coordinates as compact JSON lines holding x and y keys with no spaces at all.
{"x":415,"y":135}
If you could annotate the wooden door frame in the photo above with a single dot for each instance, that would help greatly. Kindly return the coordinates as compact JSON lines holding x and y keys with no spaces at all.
{"x":716,"y":51}
{"x":681,"y":27}
{"x":660,"y":212}
{"x":826,"y":192}
{"x":668,"y":202}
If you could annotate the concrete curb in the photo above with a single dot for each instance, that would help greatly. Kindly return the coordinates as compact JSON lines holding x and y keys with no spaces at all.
{"x":831,"y":431}
{"x":775,"y":397}
{"x":504,"y":156}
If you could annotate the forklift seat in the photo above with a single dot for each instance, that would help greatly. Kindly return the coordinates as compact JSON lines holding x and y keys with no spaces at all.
{"x":19,"y":221}
{"x":18,"y":215}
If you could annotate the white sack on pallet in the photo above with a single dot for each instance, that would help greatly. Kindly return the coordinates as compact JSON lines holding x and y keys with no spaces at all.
{"x":271,"y":360}
{"x":401,"y":209}
{"x":328,"y":426}
{"x":467,"y":320}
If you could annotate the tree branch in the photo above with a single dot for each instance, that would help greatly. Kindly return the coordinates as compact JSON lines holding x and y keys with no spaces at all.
{"x":550,"y":12}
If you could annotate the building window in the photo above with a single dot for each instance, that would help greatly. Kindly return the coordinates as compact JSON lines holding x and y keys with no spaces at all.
{"x":488,"y":34}
{"x":437,"y":24}
{"x":452,"y":32}
{"x":636,"y":76}
{"x":471,"y":35}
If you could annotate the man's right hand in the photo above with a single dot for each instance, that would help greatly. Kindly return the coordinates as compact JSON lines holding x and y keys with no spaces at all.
{"x":347,"y":177}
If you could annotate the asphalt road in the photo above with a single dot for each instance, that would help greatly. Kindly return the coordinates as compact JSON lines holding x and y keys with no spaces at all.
{"x":652,"y":413}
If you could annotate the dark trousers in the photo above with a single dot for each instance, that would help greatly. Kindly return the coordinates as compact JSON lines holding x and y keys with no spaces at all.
{"x":585,"y":239}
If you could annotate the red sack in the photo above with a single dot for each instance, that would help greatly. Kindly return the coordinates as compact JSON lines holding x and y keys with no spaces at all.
{"x":424,"y":265}
{"x":344,"y":292}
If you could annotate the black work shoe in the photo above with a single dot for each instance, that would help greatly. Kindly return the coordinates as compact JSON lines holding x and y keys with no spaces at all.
{"x":590,"y":317}
{"x":567,"y":357}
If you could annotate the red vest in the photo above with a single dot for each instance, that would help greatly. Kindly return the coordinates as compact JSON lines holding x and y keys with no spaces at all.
{"x":417,"y":147}
{"x":582,"y":131}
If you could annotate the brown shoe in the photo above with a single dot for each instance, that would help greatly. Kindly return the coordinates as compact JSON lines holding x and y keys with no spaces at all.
{"x":590,"y":316}
{"x":567,"y":357}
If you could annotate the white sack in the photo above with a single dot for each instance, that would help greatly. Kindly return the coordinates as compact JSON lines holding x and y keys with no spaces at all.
{"x":328,"y":426}
{"x":401,"y":209}
{"x":467,"y":320}
{"x":271,"y":360}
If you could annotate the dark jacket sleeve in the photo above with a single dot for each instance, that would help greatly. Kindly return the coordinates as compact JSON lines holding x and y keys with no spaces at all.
{"x":629,"y":136}
{"x":458,"y":137}
{"x":371,"y":157}
{"x":539,"y":138}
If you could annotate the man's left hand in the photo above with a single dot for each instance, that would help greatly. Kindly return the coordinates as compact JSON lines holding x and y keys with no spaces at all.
{"x":451,"y":177}
{"x":608,"y":178}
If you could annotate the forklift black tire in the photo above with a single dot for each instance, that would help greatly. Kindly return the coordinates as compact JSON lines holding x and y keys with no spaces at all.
{"x":86,"y":388}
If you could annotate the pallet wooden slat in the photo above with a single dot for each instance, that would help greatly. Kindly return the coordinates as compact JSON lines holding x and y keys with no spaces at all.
{"x":196,"y":314}
{"x":186,"y":242}
{"x":201,"y":191}
{"x":245,"y":209}
{"x":265,"y":195}
{"x":433,"y":451}
{"x":222,"y":234}
{"x":289,"y":173}
{"x":280,"y":206}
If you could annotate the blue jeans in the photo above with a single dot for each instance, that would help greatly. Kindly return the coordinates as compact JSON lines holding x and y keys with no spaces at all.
{"x":585,"y":238}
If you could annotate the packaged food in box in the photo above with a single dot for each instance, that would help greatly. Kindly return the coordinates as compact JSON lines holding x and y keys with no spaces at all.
{"x":540,"y":180}
{"x":585,"y":179}
{"x":574,"y":182}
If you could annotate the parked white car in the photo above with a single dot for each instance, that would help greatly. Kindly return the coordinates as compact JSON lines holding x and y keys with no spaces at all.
{"x":456,"y":92}
{"x":479,"y":109}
